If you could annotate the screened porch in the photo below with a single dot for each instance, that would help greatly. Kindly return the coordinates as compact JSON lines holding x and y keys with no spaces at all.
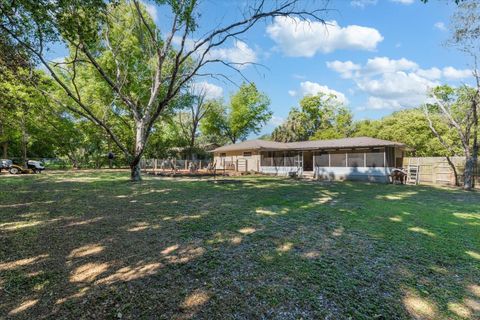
{"x":308,"y":160}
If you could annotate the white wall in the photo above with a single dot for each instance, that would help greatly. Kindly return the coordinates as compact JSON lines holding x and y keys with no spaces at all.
{"x":353,"y":173}
{"x":253,"y":161}
{"x":281,"y":171}
{"x":337,"y":173}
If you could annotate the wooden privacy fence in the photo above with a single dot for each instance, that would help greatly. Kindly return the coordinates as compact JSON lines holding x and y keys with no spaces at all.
{"x":436,"y":170}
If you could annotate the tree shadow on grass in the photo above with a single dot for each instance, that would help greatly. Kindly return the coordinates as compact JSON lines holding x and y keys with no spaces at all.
{"x":269,"y":247}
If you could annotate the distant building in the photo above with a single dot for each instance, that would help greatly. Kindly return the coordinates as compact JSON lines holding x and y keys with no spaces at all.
{"x":361,"y":158}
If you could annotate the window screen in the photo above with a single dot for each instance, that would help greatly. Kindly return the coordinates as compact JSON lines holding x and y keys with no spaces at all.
{"x":356,"y":159}
{"x":278,"y":159}
{"x":267,"y":159}
{"x":290,"y":158}
{"x":375,"y":159}
{"x":337,"y":160}
{"x":321,"y":159}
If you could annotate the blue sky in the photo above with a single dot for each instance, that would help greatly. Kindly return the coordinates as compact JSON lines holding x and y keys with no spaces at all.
{"x":376,"y":56}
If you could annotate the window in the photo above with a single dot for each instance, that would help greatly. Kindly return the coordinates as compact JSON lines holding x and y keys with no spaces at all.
{"x":290,"y":158}
{"x":337,"y":160}
{"x":267,"y":159}
{"x":247,"y":154}
{"x":321,"y":159}
{"x":278,"y":159}
{"x":356,"y":159}
{"x":375,"y":158}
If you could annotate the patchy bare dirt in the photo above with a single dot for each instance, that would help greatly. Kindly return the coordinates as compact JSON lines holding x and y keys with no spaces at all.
{"x":92,"y":245}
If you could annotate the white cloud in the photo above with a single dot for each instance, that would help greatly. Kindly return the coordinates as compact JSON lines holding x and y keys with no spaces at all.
{"x":375,"y":66}
{"x":313,"y":88}
{"x":292,"y":93}
{"x":432,"y":73}
{"x":362,"y":3}
{"x":407,"y":2}
{"x":395,"y":90}
{"x":440,"y":26}
{"x":240,"y":54}
{"x":379,"y":65}
{"x":395,"y":83}
{"x":211,"y":91}
{"x":346,"y":69}
{"x":305,"y":38}
{"x":456,"y":74}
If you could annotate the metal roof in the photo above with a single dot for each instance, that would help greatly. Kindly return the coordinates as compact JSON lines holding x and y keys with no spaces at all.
{"x":357,"y":142}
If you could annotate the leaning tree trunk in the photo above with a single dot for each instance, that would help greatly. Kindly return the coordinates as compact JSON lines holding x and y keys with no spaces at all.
{"x":454,"y":169}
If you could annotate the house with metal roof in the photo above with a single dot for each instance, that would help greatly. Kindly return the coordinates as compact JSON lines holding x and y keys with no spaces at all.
{"x":360,"y":158}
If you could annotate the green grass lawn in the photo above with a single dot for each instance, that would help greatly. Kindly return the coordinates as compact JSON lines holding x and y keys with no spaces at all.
{"x":93,"y":245}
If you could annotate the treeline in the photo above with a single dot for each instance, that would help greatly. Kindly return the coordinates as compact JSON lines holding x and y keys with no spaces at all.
{"x":37,"y":122}
{"x":127,"y":87}
{"x":324,"y":117}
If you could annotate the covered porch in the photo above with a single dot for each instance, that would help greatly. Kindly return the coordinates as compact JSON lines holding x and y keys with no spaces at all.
{"x":372,"y":164}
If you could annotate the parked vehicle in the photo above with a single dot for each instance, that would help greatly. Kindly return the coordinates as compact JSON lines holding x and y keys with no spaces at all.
{"x":35,"y":166}
{"x":5,"y":164}
{"x":31,"y":166}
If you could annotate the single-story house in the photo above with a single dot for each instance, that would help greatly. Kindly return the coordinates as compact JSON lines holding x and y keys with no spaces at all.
{"x":361,"y":158}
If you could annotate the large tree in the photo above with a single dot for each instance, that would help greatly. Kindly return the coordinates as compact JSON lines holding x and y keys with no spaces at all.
{"x":320,"y":116}
{"x":88,"y":28}
{"x":408,"y":126}
{"x":457,"y":108}
{"x":196,"y":108}
{"x":246,"y":113}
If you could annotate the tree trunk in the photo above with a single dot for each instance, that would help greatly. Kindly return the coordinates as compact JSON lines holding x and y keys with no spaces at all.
{"x":5,"y":149}
{"x":74,"y":160}
{"x":454,"y":169}
{"x":140,"y":142}
{"x":468,"y":174}
{"x":109,"y":147}
{"x":475,"y":163}
{"x":135,"y":172}
{"x":4,"y":142}
{"x":24,"y":139}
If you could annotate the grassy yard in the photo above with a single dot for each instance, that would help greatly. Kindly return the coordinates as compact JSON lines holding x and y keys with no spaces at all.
{"x":93,"y":245}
